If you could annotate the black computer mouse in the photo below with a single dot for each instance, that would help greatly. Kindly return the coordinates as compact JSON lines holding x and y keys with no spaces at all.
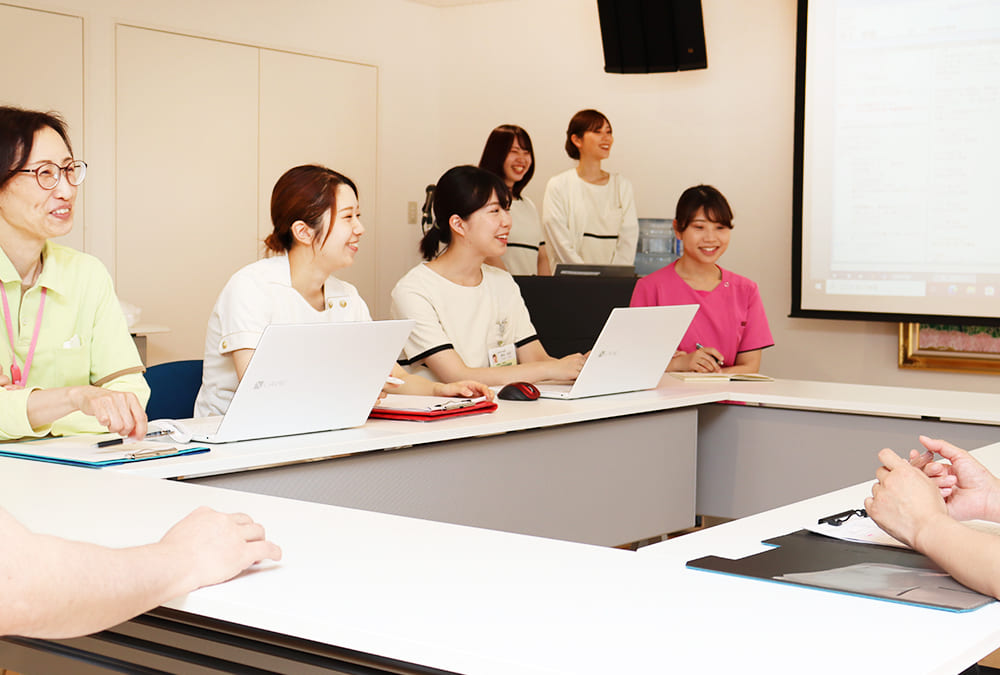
{"x":519,"y":391}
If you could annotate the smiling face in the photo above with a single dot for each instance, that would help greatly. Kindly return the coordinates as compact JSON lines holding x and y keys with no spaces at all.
{"x":704,"y":240}
{"x":27,"y":209}
{"x":595,"y":144}
{"x":517,"y":163}
{"x":344,"y":228}
{"x":486,"y":229}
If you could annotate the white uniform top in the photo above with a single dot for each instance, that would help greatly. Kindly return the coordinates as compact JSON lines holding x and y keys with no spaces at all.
{"x":586,"y":223}
{"x":258,"y":295}
{"x":469,"y":319}
{"x":524,"y":239}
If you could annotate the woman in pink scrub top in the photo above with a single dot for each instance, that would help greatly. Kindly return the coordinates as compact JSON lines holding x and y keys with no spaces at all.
{"x":730,"y":329}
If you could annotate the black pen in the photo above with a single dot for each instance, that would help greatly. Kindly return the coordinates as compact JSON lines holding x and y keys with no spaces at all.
{"x":118,"y":441}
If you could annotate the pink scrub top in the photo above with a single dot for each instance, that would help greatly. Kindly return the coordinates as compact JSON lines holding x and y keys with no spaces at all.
{"x":731,"y":317}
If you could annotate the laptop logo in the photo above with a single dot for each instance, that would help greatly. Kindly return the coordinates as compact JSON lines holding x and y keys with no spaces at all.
{"x":260,"y":384}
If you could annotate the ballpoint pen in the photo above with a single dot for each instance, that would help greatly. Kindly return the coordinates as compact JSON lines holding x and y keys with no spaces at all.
{"x":118,"y":441}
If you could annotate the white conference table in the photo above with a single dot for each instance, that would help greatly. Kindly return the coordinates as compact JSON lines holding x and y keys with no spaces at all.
{"x":606,"y":470}
{"x":396,"y":594}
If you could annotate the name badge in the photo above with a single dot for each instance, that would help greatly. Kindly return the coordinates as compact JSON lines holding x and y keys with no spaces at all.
{"x":504,"y":355}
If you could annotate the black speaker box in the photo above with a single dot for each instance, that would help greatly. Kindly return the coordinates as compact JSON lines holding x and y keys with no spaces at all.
{"x":652,"y":36}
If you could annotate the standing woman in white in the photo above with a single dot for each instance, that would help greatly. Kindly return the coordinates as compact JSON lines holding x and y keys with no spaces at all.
{"x":588,"y":214}
{"x":317,"y":231}
{"x":471,"y":320}
{"x":509,"y":155}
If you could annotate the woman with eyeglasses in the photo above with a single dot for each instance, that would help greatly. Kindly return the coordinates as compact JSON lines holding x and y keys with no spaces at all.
{"x":588,"y":214}
{"x":316,"y":231}
{"x":68,"y":362}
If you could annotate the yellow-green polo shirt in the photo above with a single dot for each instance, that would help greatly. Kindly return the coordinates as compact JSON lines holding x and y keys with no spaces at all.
{"x":83,"y":339}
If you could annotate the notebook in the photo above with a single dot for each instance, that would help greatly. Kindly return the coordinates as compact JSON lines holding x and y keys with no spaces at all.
{"x":722,"y":377}
{"x":631,"y":353}
{"x":305,"y":378}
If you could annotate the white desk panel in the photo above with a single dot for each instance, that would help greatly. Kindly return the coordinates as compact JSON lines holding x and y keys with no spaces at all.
{"x":482,"y":602}
{"x":973,"y":408}
{"x":561,"y":468}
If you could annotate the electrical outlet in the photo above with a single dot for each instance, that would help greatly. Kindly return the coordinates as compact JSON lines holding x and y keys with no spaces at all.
{"x":411,"y":213}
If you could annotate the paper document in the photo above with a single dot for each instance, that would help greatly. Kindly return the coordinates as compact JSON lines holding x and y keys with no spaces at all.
{"x":85,"y":450}
{"x":407,"y":403}
{"x":865,"y":531}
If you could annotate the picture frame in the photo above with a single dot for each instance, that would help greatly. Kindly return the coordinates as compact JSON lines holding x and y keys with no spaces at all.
{"x":957,"y":349}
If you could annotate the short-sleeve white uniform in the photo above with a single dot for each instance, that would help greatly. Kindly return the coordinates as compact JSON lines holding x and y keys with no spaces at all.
{"x":472,"y":320}
{"x":258,"y":295}
{"x":525,"y":237}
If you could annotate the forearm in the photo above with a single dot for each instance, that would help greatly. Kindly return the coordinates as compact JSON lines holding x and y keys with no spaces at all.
{"x":533,"y":371}
{"x":45,"y":406}
{"x":55,"y":588}
{"x":544,"y":269}
{"x":746,"y":362}
{"x":971,"y":557}
{"x":413,"y":385}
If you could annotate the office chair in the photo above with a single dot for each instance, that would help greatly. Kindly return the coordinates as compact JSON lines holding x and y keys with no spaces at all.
{"x":173,"y":388}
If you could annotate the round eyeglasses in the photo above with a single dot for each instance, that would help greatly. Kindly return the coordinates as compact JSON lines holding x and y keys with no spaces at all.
{"x":48,"y":174}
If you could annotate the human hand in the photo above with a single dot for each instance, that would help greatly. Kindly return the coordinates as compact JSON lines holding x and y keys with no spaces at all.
{"x":566,"y":368}
{"x":7,"y":383}
{"x":214,"y":547}
{"x":904,"y":500}
{"x":463,"y":388}
{"x":702,"y":360}
{"x":968,"y":488}
{"x":119,"y":411}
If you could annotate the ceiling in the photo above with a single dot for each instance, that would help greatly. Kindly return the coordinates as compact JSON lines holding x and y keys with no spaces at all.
{"x":452,"y":3}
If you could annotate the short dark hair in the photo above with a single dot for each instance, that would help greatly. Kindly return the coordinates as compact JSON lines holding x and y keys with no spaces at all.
{"x":17,"y":136}
{"x":582,"y":122}
{"x":461,"y":191}
{"x":498,"y":146}
{"x":703,"y":197}
{"x":303,"y":193}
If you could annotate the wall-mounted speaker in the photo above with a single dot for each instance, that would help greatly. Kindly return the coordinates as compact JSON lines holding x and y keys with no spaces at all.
{"x":652,"y":36}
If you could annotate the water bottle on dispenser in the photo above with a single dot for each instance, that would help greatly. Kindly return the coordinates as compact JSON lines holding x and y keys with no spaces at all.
{"x":657,"y":245}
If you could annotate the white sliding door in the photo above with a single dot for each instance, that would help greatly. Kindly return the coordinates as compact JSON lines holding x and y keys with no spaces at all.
{"x":187,"y":125}
{"x":320,"y":111}
{"x":204,"y":130}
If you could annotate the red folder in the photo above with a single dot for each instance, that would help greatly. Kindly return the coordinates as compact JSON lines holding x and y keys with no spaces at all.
{"x":428,"y":415}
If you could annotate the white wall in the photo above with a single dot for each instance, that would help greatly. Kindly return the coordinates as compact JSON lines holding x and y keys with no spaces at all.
{"x":536,"y":62}
{"x":447,"y":76}
{"x":397,"y":36}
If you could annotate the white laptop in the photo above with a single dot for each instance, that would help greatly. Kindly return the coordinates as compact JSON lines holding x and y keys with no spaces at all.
{"x":634,"y":348}
{"x":304,"y":378}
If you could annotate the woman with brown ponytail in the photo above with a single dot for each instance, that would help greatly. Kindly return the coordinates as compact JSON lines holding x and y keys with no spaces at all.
{"x":317,"y":231}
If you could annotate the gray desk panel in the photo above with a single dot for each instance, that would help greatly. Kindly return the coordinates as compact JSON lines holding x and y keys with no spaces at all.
{"x":605,"y":482}
{"x":752,"y":458}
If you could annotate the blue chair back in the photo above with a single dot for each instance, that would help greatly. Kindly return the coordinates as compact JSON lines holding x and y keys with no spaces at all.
{"x":173,"y":388}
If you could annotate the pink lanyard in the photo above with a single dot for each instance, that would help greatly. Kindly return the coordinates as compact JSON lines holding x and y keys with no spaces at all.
{"x":17,"y":377}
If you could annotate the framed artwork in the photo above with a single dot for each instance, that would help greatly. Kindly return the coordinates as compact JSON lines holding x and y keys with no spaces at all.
{"x":966,"y":349}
